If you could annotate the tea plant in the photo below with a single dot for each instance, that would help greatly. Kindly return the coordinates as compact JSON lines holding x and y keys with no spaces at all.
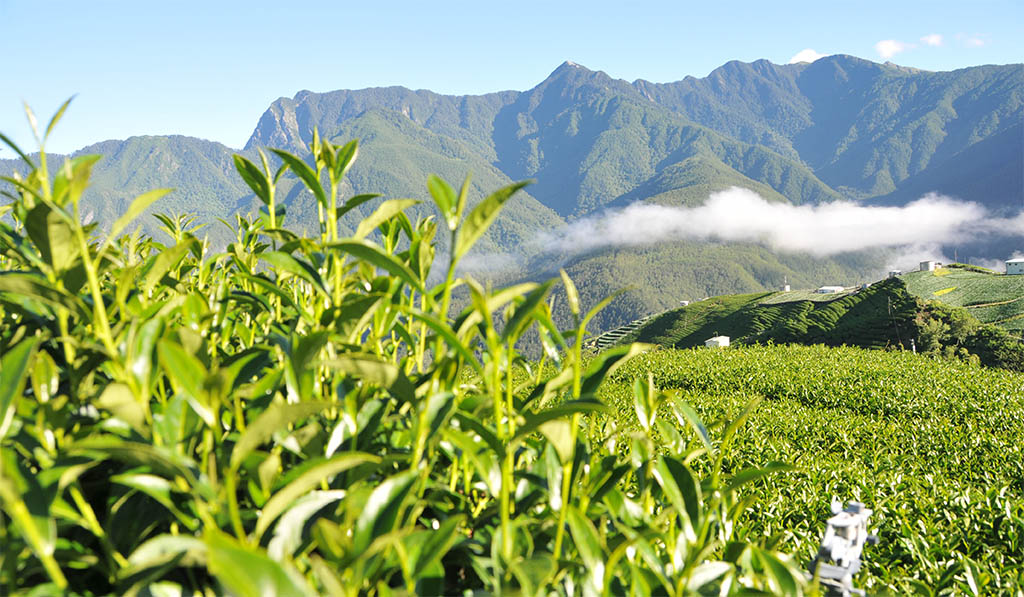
{"x":932,"y":446}
{"x":303,"y":415}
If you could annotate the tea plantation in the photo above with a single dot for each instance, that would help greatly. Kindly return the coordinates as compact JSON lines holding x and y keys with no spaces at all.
{"x":990,"y":297}
{"x":310,"y":415}
{"x":934,"y":447}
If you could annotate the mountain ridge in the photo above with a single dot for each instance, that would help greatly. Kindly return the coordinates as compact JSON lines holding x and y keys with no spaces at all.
{"x":838,"y":128}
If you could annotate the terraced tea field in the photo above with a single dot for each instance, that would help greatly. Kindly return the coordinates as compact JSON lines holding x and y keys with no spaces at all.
{"x":792,"y":296}
{"x":879,"y":316}
{"x":992,"y":298}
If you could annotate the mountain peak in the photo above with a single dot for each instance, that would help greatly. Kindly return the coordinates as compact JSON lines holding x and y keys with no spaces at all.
{"x":572,"y":64}
{"x":574,"y":76}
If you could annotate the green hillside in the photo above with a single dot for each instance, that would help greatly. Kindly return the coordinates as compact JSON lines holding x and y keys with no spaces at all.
{"x":990,"y":297}
{"x":877,"y":317}
{"x":654,"y":278}
{"x":871,"y":129}
{"x":888,"y":314}
{"x":397,"y":154}
{"x":841,"y":126}
{"x":964,"y":288}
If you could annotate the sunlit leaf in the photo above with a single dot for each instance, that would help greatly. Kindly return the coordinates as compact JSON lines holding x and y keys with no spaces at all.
{"x":310,"y":478}
{"x":480,"y":219}
{"x":14,"y":373}
{"x":137,"y":206}
{"x":381,"y":510}
{"x":276,"y":417}
{"x":248,"y":572}
{"x":385,"y":211}
{"x":305,"y":173}
{"x":375,"y":256}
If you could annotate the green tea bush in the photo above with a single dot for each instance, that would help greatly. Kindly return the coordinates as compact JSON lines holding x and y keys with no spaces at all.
{"x":302,"y":415}
{"x":933,"y":446}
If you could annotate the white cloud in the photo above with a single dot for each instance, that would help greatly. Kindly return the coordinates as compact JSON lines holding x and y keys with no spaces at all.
{"x":932,"y":40}
{"x":887,"y":48}
{"x":806,"y":55}
{"x":971,"y":41}
{"x":740,"y":215}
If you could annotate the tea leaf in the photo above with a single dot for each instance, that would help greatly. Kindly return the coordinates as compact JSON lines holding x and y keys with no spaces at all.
{"x":305,"y":173}
{"x":356,"y":201}
{"x":480,"y":219}
{"x":375,"y":256}
{"x":385,"y":211}
{"x":248,"y":572}
{"x":254,"y":177}
{"x":309,"y":479}
{"x":296,"y":267}
{"x":380,"y":513}
{"x":276,"y":417}
{"x":444,"y":196}
{"x":14,"y":370}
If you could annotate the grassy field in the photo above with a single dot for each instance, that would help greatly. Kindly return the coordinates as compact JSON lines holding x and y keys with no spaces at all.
{"x":934,"y":447}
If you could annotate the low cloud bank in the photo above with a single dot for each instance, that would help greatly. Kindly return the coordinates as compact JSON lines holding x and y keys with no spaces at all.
{"x":739,"y":215}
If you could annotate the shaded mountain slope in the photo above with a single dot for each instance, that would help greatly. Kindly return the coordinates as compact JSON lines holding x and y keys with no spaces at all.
{"x":863,"y":127}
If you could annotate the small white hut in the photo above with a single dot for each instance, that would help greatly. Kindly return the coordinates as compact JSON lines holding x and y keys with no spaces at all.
{"x":930,"y":266}
{"x":895,"y":273}
{"x":1015,"y":266}
{"x":717,"y":342}
{"x":830,"y":290}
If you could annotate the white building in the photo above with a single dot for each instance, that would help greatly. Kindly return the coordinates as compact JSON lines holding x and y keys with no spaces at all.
{"x":717,"y":342}
{"x":1015,"y":266}
{"x":895,"y":273}
{"x":830,"y":290}
{"x":929,"y":266}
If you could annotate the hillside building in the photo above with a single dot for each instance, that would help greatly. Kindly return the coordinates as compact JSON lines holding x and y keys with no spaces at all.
{"x":895,"y":273}
{"x":930,"y":266}
{"x":1015,"y":266}
{"x":830,"y":290}
{"x":717,"y":342}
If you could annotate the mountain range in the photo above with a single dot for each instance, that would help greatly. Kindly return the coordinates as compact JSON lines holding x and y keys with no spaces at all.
{"x":809,"y":133}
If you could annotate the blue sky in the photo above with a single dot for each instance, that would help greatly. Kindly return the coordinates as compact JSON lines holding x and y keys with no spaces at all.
{"x":210,"y":68}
